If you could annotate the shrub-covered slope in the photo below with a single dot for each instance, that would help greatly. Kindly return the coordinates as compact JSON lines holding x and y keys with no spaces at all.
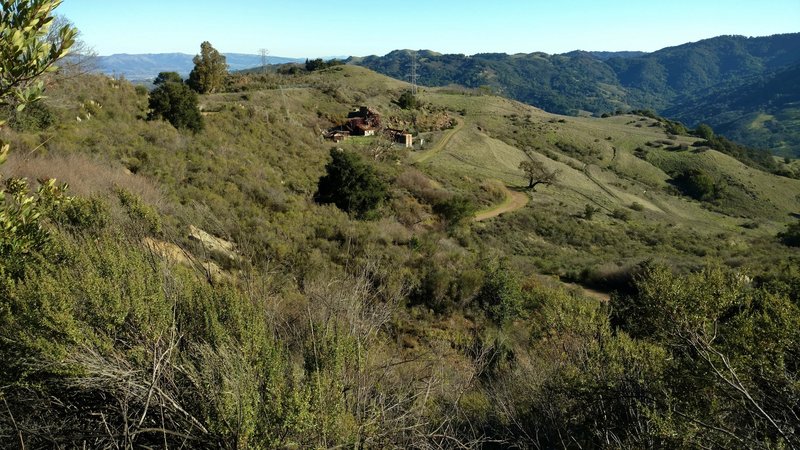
{"x":192,"y":291}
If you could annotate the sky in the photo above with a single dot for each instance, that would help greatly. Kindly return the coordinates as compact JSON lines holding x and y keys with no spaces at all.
{"x":314,"y":28}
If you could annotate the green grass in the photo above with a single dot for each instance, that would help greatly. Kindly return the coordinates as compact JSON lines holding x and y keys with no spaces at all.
{"x":498,"y":132}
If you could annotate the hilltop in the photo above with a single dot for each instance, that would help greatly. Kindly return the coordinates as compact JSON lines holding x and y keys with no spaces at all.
{"x":196,"y":291}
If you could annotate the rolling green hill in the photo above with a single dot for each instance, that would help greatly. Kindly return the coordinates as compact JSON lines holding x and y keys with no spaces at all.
{"x":755,"y":111}
{"x":193,"y":291}
{"x":689,"y":75}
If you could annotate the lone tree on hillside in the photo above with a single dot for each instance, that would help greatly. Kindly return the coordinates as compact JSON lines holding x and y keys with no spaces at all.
{"x":174,"y":102}
{"x":350,"y":184}
{"x":210,"y":70}
{"x":537,"y":173}
{"x":704,"y":131}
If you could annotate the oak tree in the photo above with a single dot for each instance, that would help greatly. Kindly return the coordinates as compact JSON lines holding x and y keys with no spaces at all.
{"x":537,"y":173}
{"x":351,"y":184}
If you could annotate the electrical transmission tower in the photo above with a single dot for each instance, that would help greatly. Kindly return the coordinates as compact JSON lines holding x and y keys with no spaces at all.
{"x":264,"y":52}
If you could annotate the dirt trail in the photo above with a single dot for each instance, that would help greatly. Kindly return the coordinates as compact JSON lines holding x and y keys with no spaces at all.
{"x":514,"y":200}
{"x":598,"y":183}
{"x":442,"y":143}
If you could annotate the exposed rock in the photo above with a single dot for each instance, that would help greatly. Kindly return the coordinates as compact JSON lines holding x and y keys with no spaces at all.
{"x":174,"y":254}
{"x":214,"y":246}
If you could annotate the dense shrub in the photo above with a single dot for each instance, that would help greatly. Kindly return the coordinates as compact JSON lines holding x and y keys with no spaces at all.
{"x":455,"y":209}
{"x":621,"y":214}
{"x":407,"y":100}
{"x":313,"y":65}
{"x":175,"y":102}
{"x":350,"y":184}
{"x":25,"y":236}
{"x":791,"y":236}
{"x":704,"y":131}
{"x":85,"y":213}
{"x":733,"y":345}
{"x":501,"y":295}
{"x":144,"y":216}
{"x":588,"y":211}
{"x":699,"y":185}
{"x":35,"y":117}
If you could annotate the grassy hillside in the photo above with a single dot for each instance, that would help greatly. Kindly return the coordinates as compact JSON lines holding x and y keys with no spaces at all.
{"x":674,"y":81}
{"x":192,"y":291}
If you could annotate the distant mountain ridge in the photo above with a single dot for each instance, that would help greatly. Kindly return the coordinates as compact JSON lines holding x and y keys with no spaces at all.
{"x":693,"y":74}
{"x":607,"y":55}
{"x":147,"y":66}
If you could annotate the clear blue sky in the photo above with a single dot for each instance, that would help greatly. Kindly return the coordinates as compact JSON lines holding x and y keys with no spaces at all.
{"x":313,"y":28}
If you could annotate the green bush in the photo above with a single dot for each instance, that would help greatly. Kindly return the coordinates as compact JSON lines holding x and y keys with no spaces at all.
{"x":407,"y":100}
{"x":175,"y":102}
{"x":35,"y":117}
{"x":455,"y":210}
{"x":704,"y":131}
{"x":621,"y":214}
{"x":731,"y":344}
{"x":501,"y":295}
{"x":588,"y":211}
{"x":24,"y":235}
{"x":85,"y":213}
{"x":699,"y":185}
{"x":145,"y":218}
{"x":791,"y":236}
{"x":350,"y":184}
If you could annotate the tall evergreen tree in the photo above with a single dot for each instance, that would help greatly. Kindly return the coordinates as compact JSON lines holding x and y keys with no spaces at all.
{"x":210,"y":70}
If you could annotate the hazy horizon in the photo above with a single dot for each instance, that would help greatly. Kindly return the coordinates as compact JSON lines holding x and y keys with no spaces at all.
{"x":435,"y":50}
{"x":313,"y":28}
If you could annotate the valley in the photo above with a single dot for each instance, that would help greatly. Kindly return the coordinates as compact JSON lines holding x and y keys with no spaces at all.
{"x":316,"y":257}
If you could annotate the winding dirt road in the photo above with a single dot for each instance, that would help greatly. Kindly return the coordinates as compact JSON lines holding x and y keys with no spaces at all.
{"x":442,"y":143}
{"x":514,"y":200}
